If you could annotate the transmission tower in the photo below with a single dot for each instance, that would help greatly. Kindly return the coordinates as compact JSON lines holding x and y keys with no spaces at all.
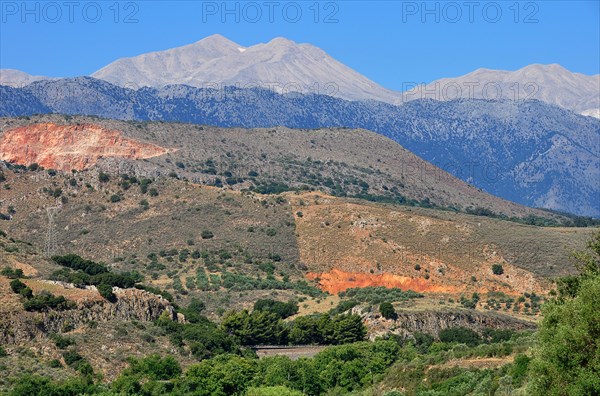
{"x":51,"y":240}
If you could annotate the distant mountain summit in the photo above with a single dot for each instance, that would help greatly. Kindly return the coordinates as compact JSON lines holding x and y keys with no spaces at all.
{"x":173,"y":66}
{"x":17,"y":78}
{"x":549,"y":83}
{"x":281,"y":65}
{"x":285,"y":66}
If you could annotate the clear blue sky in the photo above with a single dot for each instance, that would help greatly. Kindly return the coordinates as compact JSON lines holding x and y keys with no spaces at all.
{"x":391,"y":42}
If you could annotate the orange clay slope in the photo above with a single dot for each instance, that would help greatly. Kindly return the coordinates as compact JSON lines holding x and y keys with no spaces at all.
{"x":346,"y":244}
{"x":67,"y":147}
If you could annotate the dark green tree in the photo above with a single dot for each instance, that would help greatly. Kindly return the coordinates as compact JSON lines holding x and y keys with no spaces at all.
{"x":567,"y":358}
{"x":387,"y":310}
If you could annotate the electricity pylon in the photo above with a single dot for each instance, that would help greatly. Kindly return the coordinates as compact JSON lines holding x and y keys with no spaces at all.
{"x":51,"y":240}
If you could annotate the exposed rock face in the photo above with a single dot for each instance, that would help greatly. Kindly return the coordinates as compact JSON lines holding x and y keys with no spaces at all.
{"x":67,"y":147}
{"x":131,"y":304}
{"x":432,"y":322}
{"x":336,"y":281}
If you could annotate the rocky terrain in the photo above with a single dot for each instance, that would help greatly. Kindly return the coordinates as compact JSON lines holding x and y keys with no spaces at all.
{"x":18,"y":326}
{"x":216,"y":62}
{"x":432,"y":322}
{"x":335,"y":243}
{"x":67,"y":148}
{"x":229,"y":216}
{"x":285,"y":66}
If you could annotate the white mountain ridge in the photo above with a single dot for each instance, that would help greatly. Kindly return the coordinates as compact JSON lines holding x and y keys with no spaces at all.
{"x":280,"y":64}
{"x":549,"y":83}
{"x":17,"y":78}
{"x":286,"y":66}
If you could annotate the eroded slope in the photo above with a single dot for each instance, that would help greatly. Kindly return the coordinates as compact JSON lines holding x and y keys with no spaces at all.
{"x":346,"y":244}
{"x":67,"y":147}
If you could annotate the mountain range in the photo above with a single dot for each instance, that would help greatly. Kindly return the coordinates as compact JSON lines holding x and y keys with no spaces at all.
{"x":285,"y":66}
{"x":529,"y":152}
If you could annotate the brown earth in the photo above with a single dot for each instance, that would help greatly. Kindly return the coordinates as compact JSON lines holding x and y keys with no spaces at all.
{"x":67,"y":147}
{"x":337,"y":281}
{"x":347,"y":243}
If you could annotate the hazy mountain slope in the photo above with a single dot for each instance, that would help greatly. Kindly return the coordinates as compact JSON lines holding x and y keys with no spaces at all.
{"x":165,"y":67}
{"x":549,"y":83}
{"x":529,"y":152}
{"x":16,"y":102}
{"x":216,"y":62}
{"x":17,"y":78}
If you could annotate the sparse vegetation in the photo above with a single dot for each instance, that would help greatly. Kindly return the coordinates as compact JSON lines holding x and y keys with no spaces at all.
{"x":12,"y":273}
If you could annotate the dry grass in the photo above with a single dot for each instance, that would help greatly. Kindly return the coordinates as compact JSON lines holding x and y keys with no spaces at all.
{"x":346,"y":243}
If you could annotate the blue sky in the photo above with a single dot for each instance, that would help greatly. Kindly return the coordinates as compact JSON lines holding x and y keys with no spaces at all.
{"x":391,"y":42}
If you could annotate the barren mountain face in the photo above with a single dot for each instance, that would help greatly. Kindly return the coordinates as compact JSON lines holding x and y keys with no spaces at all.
{"x":67,"y":147}
{"x":215,"y":62}
{"x":549,"y":83}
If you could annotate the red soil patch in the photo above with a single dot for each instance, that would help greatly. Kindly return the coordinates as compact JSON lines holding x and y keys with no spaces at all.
{"x":336,"y":281}
{"x":66,"y":147}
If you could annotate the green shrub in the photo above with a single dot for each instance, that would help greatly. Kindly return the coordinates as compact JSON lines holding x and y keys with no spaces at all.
{"x":271,"y":232}
{"x":72,"y":358}
{"x":497,"y":269}
{"x":272,"y":391}
{"x":115,"y":198}
{"x":460,"y":335}
{"x":343,"y":306}
{"x":281,"y":309}
{"x":207,"y":234}
{"x":16,"y":285}
{"x":46,"y":301}
{"x":75,"y":262}
{"x":103,"y":177}
{"x":11,"y":273}
{"x":387,"y":310}
{"x":106,"y":291}
{"x":54,"y":363}
{"x":62,"y":342}
{"x":379,"y":294}
{"x":26,"y":292}
{"x":154,"y":367}
{"x":422,"y":341}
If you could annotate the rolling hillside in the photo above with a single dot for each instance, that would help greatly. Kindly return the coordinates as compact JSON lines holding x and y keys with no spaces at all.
{"x":201,"y":221}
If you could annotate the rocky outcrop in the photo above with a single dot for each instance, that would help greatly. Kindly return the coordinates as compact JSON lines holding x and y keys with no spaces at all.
{"x":432,"y":322}
{"x":131,"y":304}
{"x":67,"y":147}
